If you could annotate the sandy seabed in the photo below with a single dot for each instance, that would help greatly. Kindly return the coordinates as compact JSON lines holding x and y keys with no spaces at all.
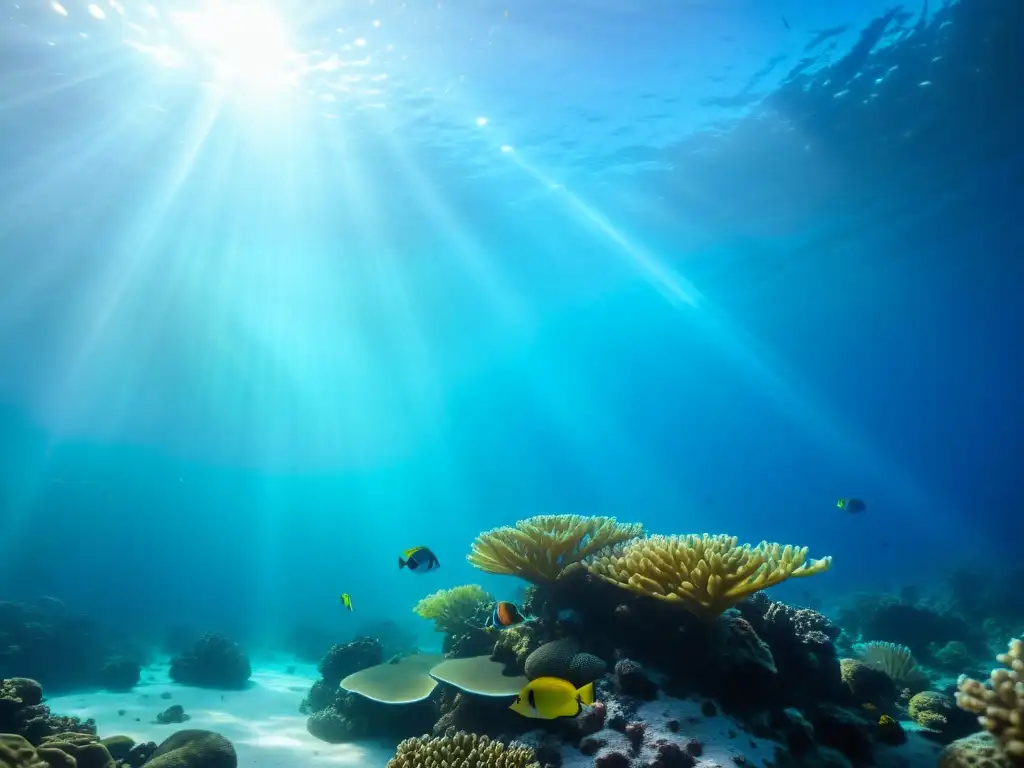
{"x":262,"y":721}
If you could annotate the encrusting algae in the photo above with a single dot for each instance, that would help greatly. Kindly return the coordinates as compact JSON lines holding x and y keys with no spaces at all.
{"x":540,"y":548}
{"x":703,"y":574}
{"x":465,"y":750}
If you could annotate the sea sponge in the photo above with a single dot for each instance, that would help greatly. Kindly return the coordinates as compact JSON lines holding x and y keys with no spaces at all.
{"x":703,"y":574}
{"x":999,"y":703}
{"x":540,"y":548}
{"x":894,"y":659}
{"x":452,"y":610}
{"x":465,"y":750}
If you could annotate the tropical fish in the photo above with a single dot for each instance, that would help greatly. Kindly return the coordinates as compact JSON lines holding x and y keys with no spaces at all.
{"x":869,"y":706}
{"x":419,"y":560}
{"x":548,"y":698}
{"x":853,"y":506}
{"x":346,"y":600}
{"x":505,"y":615}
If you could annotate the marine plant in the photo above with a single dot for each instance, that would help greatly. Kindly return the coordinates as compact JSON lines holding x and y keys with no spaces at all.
{"x":894,"y":659}
{"x":999,"y":702}
{"x":466,"y":750}
{"x":703,"y":574}
{"x":540,"y":548}
{"x":453,"y":610}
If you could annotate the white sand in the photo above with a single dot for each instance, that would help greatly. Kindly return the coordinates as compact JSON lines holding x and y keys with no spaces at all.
{"x":263,"y":721}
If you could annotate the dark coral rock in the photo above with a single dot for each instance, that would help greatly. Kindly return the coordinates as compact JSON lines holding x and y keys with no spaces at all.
{"x":173,"y":714}
{"x":708,"y":708}
{"x":214,"y":661}
{"x":631,"y":680}
{"x":591,"y":745}
{"x":331,"y":726}
{"x":319,"y":698}
{"x":119,"y":747}
{"x":140,"y":754}
{"x":846,"y":731}
{"x":802,"y":643}
{"x":194,"y":749}
{"x":612,"y":760}
{"x":669,"y":754}
{"x":694,"y":747}
{"x":478,"y":714}
{"x":345,"y":659}
{"x":953,"y":656}
{"x":591,"y":720}
{"x":889,"y":731}
{"x":867,"y":684}
{"x":120,"y":673}
{"x":635,"y":733}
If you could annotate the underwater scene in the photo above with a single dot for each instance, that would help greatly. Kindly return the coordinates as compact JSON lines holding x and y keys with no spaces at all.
{"x":511,"y":383}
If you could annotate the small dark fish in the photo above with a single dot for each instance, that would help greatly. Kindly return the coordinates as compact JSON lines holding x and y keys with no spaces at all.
{"x":853,"y":506}
{"x":419,"y":560}
{"x":785,"y":23}
{"x":505,"y":615}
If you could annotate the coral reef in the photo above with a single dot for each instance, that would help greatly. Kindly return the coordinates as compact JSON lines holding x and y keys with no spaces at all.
{"x":22,"y":713}
{"x":703,"y":574}
{"x":214,"y":661}
{"x":466,"y":750}
{"x":540,"y":548}
{"x":999,"y":703}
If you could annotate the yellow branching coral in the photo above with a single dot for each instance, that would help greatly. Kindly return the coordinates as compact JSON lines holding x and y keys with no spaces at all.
{"x":539,"y":548}
{"x":703,"y":574}
{"x":999,"y":704}
{"x":452,"y":610}
{"x":465,"y":750}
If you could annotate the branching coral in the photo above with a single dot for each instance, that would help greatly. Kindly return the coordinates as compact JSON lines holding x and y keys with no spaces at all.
{"x":465,"y":750}
{"x":452,"y":610}
{"x":540,"y":548}
{"x":892,"y":658}
{"x":703,"y":574}
{"x":999,"y":704}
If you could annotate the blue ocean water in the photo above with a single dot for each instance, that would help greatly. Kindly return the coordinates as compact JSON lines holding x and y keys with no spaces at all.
{"x":290,"y":289}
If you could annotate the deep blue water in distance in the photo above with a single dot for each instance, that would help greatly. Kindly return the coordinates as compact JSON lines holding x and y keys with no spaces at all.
{"x":708,"y":266}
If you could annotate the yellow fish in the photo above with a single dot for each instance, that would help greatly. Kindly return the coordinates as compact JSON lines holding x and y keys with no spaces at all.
{"x":346,"y":600}
{"x":547,"y":698}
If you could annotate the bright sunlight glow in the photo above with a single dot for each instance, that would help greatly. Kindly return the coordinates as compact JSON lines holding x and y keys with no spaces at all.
{"x":247,"y":44}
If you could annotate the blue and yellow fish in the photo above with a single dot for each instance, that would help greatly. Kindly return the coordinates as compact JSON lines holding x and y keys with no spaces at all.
{"x":853,"y":506}
{"x":419,"y":560}
{"x":548,"y":698}
{"x":346,"y":601}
